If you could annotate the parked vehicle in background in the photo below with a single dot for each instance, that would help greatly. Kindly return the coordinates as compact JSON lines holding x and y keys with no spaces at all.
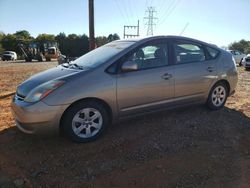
{"x":40,"y":50}
{"x":9,"y":56}
{"x":123,"y":79}
{"x":238,"y":56}
{"x":246,"y":62}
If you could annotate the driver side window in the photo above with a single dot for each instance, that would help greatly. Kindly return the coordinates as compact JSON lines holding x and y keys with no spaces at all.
{"x":150,"y":56}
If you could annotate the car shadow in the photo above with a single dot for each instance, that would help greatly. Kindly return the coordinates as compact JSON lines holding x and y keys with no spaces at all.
{"x":218,"y":140}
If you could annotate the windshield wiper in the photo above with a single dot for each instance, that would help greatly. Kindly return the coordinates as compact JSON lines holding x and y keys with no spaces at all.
{"x":76,"y":66}
{"x":66,"y":65}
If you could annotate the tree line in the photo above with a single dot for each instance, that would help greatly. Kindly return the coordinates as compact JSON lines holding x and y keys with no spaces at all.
{"x":71,"y":45}
{"x":242,"y":46}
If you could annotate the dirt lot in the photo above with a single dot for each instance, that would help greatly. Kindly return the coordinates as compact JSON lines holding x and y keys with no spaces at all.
{"x":188,"y":147}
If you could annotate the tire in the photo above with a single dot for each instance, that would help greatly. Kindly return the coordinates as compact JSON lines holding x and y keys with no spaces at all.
{"x":240,"y":64}
{"x":85,"y":121}
{"x":40,"y":58}
{"x":48,"y":59}
{"x":217,"y":96}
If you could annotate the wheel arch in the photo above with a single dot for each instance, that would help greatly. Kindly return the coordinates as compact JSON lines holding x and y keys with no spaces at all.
{"x":104,"y":103}
{"x":224,"y":82}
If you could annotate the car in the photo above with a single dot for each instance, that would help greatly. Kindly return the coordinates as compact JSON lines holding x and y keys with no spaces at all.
{"x":9,"y":56}
{"x":246,"y":62}
{"x":238,"y":56}
{"x":123,"y":79}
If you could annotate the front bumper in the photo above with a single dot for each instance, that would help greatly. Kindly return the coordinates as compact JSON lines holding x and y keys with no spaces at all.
{"x":6,"y":57}
{"x":38,"y":117}
{"x":247,"y":65}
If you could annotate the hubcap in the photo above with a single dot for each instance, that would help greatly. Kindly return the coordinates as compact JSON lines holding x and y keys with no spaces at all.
{"x":218,"y":96}
{"x":87,"y":122}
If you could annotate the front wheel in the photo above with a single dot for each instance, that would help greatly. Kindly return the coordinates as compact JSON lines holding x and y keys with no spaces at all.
{"x":85,"y":121}
{"x":217,"y":96}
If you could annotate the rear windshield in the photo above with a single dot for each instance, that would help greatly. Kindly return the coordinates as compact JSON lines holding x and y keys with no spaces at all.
{"x":7,"y":53}
{"x":102,"y":54}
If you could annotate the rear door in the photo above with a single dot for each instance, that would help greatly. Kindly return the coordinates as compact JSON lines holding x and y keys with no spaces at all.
{"x":194,"y":72}
{"x":151,"y":85}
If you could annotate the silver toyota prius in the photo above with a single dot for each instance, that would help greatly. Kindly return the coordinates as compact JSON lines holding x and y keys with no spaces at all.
{"x":122,"y":79}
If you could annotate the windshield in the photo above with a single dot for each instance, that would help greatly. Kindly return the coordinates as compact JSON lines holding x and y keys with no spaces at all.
{"x":102,"y":54}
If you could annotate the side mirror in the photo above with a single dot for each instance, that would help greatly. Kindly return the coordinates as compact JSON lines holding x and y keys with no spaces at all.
{"x":129,"y":66}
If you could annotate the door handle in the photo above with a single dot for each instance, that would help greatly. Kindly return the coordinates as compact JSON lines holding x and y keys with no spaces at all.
{"x":166,"y":76}
{"x":210,"y":69}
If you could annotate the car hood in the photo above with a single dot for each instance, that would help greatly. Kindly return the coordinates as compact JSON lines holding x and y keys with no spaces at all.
{"x":58,"y":72}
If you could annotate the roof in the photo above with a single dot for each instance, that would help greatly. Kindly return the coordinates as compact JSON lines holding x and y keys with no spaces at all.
{"x":164,"y":37}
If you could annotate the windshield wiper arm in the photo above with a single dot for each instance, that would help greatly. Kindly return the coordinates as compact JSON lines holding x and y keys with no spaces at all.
{"x":77,"y":66}
{"x":66,"y":65}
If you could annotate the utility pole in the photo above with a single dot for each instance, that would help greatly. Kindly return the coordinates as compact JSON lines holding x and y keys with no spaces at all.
{"x":126,"y":35}
{"x":91,"y":26}
{"x":150,"y":20}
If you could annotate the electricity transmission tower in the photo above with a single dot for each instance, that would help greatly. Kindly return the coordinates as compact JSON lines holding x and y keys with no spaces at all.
{"x":150,"y":20}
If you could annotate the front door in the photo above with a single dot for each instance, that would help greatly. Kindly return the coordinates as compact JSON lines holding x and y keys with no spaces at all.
{"x":151,"y":85}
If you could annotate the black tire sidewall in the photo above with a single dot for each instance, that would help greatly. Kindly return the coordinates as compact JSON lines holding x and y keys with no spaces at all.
{"x":209,"y":100}
{"x":70,"y":113}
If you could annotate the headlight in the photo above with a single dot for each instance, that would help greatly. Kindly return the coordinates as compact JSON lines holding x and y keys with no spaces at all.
{"x":43,"y":90}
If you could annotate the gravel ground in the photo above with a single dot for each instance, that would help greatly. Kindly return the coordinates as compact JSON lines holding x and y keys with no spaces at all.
{"x":184,"y":148}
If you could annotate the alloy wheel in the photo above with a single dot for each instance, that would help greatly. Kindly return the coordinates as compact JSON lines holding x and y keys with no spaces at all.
{"x":219,"y":96}
{"x":87,"y":122}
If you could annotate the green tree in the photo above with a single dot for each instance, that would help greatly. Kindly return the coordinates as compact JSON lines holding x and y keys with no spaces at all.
{"x":9,"y":42}
{"x":1,"y":38}
{"x":101,"y":40}
{"x":247,"y":50}
{"x":23,"y":35}
{"x":45,"y":37}
{"x":61,"y":39}
{"x":72,"y":45}
{"x":242,"y":46}
{"x":113,"y":37}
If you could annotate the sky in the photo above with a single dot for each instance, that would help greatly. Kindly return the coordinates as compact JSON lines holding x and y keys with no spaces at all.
{"x":220,"y":22}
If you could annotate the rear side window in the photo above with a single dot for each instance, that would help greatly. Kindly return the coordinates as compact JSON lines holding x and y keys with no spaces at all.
{"x":213,"y":53}
{"x":188,"y":53}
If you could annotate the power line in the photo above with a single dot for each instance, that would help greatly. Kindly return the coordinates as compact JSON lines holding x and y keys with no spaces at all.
{"x":151,"y":2}
{"x":146,"y":5}
{"x":150,"y":20}
{"x":165,"y":14}
{"x":170,"y":10}
{"x":126,"y":12}
{"x":131,"y":10}
{"x":123,"y":15}
{"x":162,"y":5}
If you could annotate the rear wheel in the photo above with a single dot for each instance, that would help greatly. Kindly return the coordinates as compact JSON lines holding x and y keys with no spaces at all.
{"x":28,"y":59}
{"x":217,"y":96}
{"x":85,"y":121}
{"x":40,"y":58}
